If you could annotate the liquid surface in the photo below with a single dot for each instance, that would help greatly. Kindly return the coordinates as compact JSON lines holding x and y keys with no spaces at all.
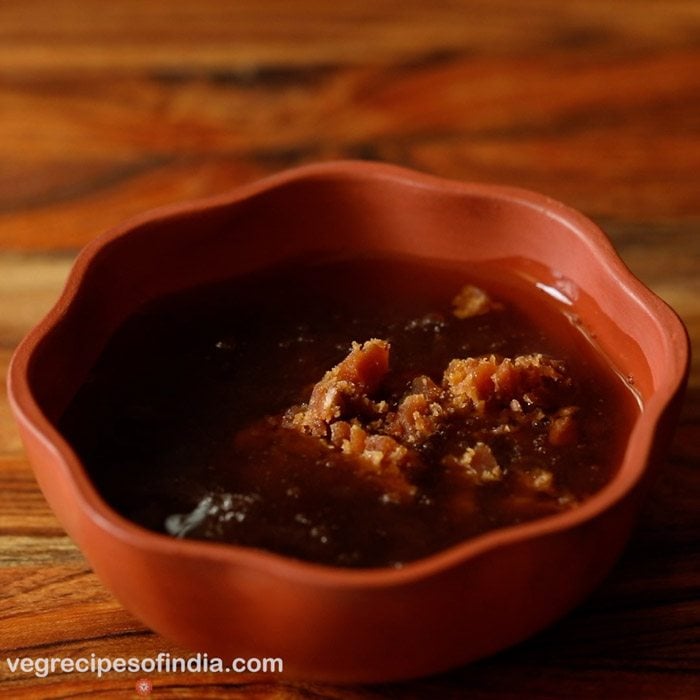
{"x":239,"y":412}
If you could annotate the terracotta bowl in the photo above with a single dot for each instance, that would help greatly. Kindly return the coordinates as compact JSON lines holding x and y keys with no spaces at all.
{"x":329,"y":623}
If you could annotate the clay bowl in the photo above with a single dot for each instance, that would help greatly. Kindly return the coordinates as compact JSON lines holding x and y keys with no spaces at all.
{"x":328,"y":623}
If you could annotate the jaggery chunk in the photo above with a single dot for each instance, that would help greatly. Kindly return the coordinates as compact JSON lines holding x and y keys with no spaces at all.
{"x":427,"y":387}
{"x":419,"y":413}
{"x":473,"y":301}
{"x":417,"y":418}
{"x":541,"y":479}
{"x":477,"y":381}
{"x":562,"y":430}
{"x":349,"y":384}
{"x":339,"y":400}
{"x":478,"y":463}
{"x":378,"y":456}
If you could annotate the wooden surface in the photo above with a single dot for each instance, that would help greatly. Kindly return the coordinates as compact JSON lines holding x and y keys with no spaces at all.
{"x":108,"y":108}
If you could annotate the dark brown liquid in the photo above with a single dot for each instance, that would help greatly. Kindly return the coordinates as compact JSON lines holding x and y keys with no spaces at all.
{"x":155,"y":423}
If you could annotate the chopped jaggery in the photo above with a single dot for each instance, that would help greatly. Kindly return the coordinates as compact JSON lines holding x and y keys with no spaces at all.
{"x":345,"y":392}
{"x":477,"y":463}
{"x":527,"y":379}
{"x":382,"y":457}
{"x":562,"y":430}
{"x":346,"y":387}
{"x":416,"y":418}
{"x":473,"y":301}
{"x":384,"y":442}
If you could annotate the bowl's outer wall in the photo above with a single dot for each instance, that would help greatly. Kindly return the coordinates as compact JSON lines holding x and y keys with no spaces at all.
{"x":208,"y":598}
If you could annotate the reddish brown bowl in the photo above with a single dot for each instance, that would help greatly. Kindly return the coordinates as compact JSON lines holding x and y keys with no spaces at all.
{"x":329,"y":623}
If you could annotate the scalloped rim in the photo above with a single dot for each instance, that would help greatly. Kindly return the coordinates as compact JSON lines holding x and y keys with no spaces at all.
{"x":28,"y":412}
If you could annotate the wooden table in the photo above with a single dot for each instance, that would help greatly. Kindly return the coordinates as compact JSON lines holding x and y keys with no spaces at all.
{"x":109,"y":108}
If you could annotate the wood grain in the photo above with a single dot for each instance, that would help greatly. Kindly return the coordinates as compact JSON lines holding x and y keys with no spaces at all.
{"x":107,"y":109}
{"x":100,"y":120}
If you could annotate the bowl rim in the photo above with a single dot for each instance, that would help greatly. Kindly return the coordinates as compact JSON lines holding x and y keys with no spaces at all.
{"x":675,"y":371}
